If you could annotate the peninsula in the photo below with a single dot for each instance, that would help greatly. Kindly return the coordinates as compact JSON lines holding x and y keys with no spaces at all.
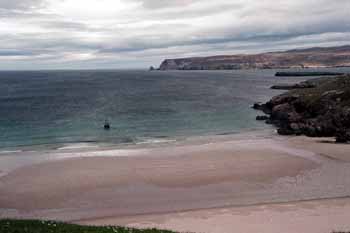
{"x":316,"y":57}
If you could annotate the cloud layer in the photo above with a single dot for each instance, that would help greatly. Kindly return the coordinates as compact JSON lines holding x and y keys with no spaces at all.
{"x":41,"y":34}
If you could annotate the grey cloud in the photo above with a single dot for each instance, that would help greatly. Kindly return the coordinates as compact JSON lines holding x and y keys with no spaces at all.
{"x":22,"y":15}
{"x":188,"y":13}
{"x":160,"y":29}
{"x":250,"y":33}
{"x":156,"y":4}
{"x":28,"y":45}
{"x":10,"y":53}
{"x":65,"y":25}
{"x":20,"y":4}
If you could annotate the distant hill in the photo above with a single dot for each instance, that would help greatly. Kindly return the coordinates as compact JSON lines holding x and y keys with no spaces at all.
{"x":301,"y":58}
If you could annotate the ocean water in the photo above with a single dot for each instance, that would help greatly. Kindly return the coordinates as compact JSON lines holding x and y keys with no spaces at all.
{"x":58,"y":107}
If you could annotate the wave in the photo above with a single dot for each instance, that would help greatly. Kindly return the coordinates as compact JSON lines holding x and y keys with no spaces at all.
{"x":155,"y":141}
{"x":78,"y":145}
{"x":10,"y":151}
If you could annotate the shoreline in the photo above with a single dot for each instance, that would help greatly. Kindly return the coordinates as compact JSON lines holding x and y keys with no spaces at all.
{"x":127,"y":186}
{"x":53,"y":152}
{"x":147,"y":142}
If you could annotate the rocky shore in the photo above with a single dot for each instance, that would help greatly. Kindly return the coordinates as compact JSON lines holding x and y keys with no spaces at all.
{"x":316,"y":108}
{"x":301,"y":85}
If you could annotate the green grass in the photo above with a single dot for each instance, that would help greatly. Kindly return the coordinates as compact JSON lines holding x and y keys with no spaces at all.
{"x":37,"y":226}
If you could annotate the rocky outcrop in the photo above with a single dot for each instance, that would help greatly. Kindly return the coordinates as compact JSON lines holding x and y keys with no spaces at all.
{"x":262,"y":118}
{"x":296,"y":74}
{"x":313,"y":57}
{"x":321,"y":111}
{"x":301,"y":85}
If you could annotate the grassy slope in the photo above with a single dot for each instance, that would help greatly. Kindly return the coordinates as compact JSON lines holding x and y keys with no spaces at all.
{"x":314,"y":95}
{"x":35,"y":226}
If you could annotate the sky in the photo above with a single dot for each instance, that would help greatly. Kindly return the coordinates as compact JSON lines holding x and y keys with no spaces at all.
{"x":116,"y":34}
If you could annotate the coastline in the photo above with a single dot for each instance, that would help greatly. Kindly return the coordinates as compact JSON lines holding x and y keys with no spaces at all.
{"x":52,"y":152}
{"x":113,"y":186}
{"x":255,"y":180}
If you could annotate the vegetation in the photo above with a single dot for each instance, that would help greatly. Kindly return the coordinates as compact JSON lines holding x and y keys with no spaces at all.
{"x":323,"y":86}
{"x":36,"y":226}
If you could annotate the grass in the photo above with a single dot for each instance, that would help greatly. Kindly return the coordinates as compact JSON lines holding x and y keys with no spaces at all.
{"x":37,"y":226}
{"x":314,"y":95}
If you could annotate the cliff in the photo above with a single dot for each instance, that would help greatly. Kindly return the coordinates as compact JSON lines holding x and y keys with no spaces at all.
{"x":303,"y":58}
{"x":316,"y":108}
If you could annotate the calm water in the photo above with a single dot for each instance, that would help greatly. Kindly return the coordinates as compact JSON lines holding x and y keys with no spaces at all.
{"x":54,"y":107}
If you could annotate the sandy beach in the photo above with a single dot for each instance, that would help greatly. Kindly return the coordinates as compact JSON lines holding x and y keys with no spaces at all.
{"x":316,"y":216}
{"x":266,"y":185}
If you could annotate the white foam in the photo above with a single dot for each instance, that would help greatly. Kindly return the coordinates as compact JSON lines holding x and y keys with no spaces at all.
{"x":10,"y":151}
{"x":73,"y":146}
{"x":156,"y":141}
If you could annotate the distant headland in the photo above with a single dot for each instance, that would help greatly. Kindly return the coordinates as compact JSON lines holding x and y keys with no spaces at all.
{"x":316,"y":57}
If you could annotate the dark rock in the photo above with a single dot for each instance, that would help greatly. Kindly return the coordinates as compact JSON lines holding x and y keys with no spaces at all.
{"x":257,"y":106}
{"x":310,"y":130}
{"x":285,"y":131}
{"x":301,"y":85}
{"x":281,"y":99}
{"x":269,"y":122}
{"x":300,"y":106}
{"x":262,"y":107}
{"x":295,"y":74}
{"x":293,"y":116}
{"x":281,"y":112}
{"x":295,"y":126}
{"x":322,"y":111}
{"x":342,"y":136}
{"x":262,"y":118}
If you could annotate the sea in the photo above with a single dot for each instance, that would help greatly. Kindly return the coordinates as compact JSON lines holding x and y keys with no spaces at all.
{"x":56,"y":108}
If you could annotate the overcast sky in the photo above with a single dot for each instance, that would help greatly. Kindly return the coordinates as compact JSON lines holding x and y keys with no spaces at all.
{"x":56,"y":34}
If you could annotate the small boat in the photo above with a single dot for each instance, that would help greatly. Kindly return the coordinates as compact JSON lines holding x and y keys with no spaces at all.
{"x":107,"y":126}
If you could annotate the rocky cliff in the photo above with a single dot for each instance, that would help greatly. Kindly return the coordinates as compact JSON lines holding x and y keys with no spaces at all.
{"x":313,"y":57}
{"x":316,"y":108}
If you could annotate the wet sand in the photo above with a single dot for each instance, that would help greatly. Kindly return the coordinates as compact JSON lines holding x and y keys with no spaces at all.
{"x":186,"y":187}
